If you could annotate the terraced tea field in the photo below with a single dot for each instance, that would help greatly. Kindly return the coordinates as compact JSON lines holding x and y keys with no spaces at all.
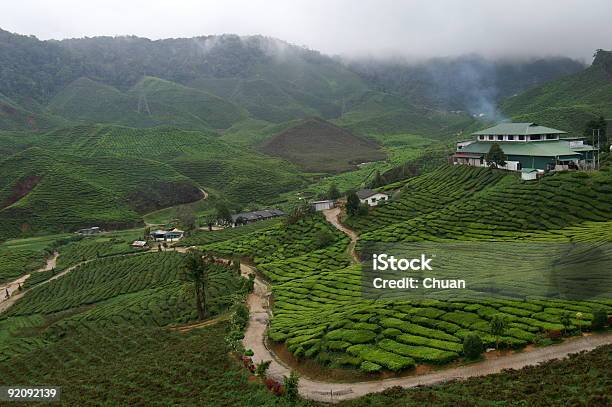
{"x":324,"y":317}
{"x":145,"y":290}
{"x":444,"y":209}
{"x":279,"y":242}
{"x":319,"y":312}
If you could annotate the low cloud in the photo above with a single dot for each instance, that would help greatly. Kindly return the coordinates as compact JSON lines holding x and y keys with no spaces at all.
{"x":409,"y":29}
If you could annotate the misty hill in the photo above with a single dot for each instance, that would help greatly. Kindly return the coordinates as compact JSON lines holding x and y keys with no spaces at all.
{"x":151,"y":102}
{"x":216,"y":82}
{"x":468,"y":83}
{"x":569,"y":102}
{"x":316,"y":145}
{"x":270,"y":79}
{"x":379,"y":114}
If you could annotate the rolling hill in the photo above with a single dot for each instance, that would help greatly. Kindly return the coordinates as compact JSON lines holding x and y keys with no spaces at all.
{"x":319,"y":146}
{"x":379,"y":114}
{"x":50,"y":192}
{"x":216,"y":82}
{"x":111,"y":176}
{"x":151,"y":102}
{"x":569,"y":102}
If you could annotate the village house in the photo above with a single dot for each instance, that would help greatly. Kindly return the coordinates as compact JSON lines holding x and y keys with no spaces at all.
{"x":370,"y":197}
{"x":323,"y":205}
{"x":173,"y":235}
{"x":527,"y":146}
{"x":139,"y":244}
{"x":90,"y":231}
{"x":244,"y":218}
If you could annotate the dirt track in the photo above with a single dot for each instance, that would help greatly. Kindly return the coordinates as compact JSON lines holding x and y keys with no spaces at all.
{"x":260,"y":313}
{"x":333,"y":217}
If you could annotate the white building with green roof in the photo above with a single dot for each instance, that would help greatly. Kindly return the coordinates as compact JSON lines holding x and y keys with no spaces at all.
{"x":526,"y":145}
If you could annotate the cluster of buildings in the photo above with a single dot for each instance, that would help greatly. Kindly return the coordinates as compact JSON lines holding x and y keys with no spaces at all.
{"x":530,"y":148}
{"x":244,"y":218}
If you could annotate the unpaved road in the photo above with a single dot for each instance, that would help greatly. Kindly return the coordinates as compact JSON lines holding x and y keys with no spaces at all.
{"x":333,"y":217}
{"x":13,"y":286}
{"x":254,"y":339}
{"x":260,"y":313}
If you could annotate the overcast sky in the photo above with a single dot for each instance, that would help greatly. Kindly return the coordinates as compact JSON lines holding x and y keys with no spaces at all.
{"x":409,"y":28}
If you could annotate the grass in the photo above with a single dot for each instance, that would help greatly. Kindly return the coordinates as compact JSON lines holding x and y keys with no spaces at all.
{"x":111,"y":176}
{"x":554,"y":383}
{"x":141,"y":366}
{"x":475,"y":203}
{"x":21,"y":256}
{"x":47,"y":192}
{"x":319,"y":310}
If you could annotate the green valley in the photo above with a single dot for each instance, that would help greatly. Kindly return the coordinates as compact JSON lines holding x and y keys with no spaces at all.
{"x":191,"y":220}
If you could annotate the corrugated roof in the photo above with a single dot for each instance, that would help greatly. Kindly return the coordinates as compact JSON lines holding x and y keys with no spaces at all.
{"x":535,"y":148}
{"x":255,"y":215}
{"x":518,"y":129}
{"x":366,"y":193}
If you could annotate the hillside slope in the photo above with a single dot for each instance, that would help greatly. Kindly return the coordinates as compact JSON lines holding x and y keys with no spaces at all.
{"x":239,"y":174}
{"x":479,"y":203}
{"x":569,"y":102}
{"x":319,"y":146}
{"x":151,"y":102}
{"x":50,"y":192}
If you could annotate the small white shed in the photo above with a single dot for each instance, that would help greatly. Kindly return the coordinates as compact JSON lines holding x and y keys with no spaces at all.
{"x":323,"y":205}
{"x":529,"y":174}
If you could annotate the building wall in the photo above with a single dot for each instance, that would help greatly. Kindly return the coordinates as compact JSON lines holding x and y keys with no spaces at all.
{"x":323,"y":205}
{"x":532,"y":161}
{"x":374,"y":199}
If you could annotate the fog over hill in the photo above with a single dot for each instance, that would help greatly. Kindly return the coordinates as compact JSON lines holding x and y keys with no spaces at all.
{"x":42,"y":82}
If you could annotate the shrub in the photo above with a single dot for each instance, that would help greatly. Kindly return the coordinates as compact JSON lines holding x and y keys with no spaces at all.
{"x":291,"y":386}
{"x":324,"y":238}
{"x":376,"y":355}
{"x":600,"y":319}
{"x":262,"y":369}
{"x":472,"y":346}
{"x":370,"y":367}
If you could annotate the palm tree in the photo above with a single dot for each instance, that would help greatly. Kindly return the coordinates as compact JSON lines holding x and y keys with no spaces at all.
{"x":196,"y":271}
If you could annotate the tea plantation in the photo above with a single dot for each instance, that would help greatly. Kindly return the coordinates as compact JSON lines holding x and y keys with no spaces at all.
{"x":490,"y":210}
{"x":319,"y":312}
{"x":141,"y":366}
{"x":141,"y":289}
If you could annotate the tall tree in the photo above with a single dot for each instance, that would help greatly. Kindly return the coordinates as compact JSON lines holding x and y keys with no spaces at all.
{"x":186,"y":217}
{"x":333,"y":192}
{"x":498,"y":326}
{"x":223,"y":214}
{"x":196,"y":271}
{"x":378,"y":180}
{"x":496,"y":156}
{"x":352,"y":204}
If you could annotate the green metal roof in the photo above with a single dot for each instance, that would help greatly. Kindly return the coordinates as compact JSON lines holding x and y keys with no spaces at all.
{"x":552,"y":148}
{"x":518,"y":129}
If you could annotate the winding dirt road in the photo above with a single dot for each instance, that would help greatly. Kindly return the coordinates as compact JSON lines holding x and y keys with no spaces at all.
{"x":255,"y":339}
{"x":13,"y":286}
{"x":260,"y":314}
{"x":333,"y":217}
